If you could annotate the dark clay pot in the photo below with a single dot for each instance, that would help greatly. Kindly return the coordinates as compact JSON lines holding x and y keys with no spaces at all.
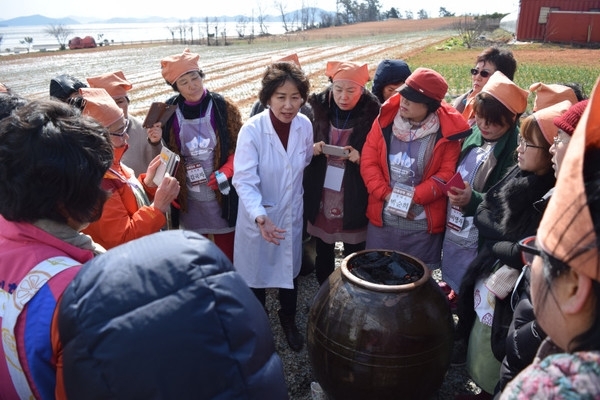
{"x":378,"y":340}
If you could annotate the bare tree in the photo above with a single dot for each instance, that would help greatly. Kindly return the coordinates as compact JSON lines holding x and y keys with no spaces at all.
{"x":27,"y":40}
{"x":423,"y":14}
{"x":172,"y":30}
{"x":261,"y":19}
{"x":312,"y":12}
{"x":216,"y":24}
{"x":191,"y":29}
{"x":182,"y":28}
{"x":240,"y":26}
{"x":281,"y":6}
{"x":469,"y":30}
{"x":1,"y":39}
{"x":304,"y":16}
{"x":408,"y":14}
{"x":208,"y":34}
{"x":60,"y":32}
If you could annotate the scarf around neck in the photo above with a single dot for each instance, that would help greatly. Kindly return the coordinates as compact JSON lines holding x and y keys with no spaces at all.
{"x":405,"y":131}
{"x":67,"y":234}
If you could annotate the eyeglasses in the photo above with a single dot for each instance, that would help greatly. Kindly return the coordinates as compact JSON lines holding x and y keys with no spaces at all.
{"x":523,"y":143}
{"x":483,"y":73}
{"x":121,"y":131}
{"x":528,"y":250}
{"x":558,"y":140}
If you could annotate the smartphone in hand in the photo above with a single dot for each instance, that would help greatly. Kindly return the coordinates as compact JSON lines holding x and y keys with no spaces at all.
{"x":338,"y":151}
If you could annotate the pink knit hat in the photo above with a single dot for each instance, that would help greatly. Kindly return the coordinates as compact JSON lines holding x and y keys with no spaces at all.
{"x":567,"y":230}
{"x":568,"y":121}
{"x":114,"y":83}
{"x":100,"y":106}
{"x":173,"y":67}
{"x":506,"y":92}
{"x":348,"y":71}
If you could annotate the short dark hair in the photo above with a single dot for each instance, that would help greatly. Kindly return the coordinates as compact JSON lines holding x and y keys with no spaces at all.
{"x":503,"y":59}
{"x":10,"y":102}
{"x":52,"y":160}
{"x":492,"y":110}
{"x":277,"y":74}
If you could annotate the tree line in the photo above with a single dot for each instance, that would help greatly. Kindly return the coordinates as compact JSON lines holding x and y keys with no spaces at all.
{"x":212,"y":31}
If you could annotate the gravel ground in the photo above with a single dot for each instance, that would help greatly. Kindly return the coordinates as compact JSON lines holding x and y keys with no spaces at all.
{"x":297,"y":368}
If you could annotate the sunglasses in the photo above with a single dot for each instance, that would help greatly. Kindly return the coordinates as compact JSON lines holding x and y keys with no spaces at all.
{"x":483,"y":73}
{"x":528,"y":250}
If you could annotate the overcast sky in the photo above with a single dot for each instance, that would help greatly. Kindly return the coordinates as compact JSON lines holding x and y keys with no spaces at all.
{"x":184,"y":9}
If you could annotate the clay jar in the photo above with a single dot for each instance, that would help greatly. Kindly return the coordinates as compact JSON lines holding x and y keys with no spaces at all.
{"x":372,"y":335}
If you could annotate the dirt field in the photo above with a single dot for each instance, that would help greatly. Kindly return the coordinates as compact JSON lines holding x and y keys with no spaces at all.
{"x":235,"y":70}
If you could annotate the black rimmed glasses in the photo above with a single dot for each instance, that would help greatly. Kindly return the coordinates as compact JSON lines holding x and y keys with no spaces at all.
{"x":524,"y":144}
{"x":483,"y":72}
{"x":121,"y":131}
{"x":528,"y":250}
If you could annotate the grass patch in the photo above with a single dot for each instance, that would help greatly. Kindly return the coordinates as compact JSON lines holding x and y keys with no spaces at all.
{"x":537,"y":62}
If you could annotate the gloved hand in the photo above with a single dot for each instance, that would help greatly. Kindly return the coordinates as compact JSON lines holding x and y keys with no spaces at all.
{"x":226,"y":168}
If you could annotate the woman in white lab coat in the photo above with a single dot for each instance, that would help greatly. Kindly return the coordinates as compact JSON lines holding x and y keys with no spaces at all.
{"x":273,"y":148}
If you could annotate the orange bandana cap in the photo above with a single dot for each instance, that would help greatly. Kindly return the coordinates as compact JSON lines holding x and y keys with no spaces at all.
{"x":506,"y":92}
{"x":293,"y":58}
{"x":567,"y":231}
{"x":173,"y":67}
{"x":114,"y":83}
{"x":348,"y":71}
{"x":545,"y":119}
{"x":100,"y":106}
{"x":547,"y":95}
{"x":3,"y":88}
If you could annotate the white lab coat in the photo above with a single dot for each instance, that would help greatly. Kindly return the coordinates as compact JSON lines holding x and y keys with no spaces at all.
{"x":268,"y":180}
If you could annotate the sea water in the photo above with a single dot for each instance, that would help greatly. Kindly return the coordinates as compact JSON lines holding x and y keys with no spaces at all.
{"x":118,"y":33}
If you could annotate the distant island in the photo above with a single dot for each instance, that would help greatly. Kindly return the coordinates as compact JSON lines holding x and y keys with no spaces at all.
{"x":37,"y":20}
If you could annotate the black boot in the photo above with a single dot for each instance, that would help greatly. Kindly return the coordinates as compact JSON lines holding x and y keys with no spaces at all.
{"x":290,"y":330}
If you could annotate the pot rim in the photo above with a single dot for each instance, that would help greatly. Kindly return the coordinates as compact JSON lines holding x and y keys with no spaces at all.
{"x":347,"y":274}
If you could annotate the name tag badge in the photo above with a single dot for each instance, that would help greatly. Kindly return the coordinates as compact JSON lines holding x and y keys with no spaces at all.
{"x":456,"y":219}
{"x":195,"y":174}
{"x":401,"y":200}
{"x":334,"y":176}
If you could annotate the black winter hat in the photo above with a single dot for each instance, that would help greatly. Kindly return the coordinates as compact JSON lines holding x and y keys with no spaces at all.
{"x":389,"y":71}
{"x":63,"y":86}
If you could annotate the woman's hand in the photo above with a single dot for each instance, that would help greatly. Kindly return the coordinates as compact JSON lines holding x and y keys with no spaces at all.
{"x":155,"y":133}
{"x":460,"y":197}
{"x":151,"y":172}
{"x":354,"y":155}
{"x":268,"y":230}
{"x":318,"y":148}
{"x":167,"y":191}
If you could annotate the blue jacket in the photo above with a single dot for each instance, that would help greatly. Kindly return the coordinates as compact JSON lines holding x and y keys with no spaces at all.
{"x":166,"y":317}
